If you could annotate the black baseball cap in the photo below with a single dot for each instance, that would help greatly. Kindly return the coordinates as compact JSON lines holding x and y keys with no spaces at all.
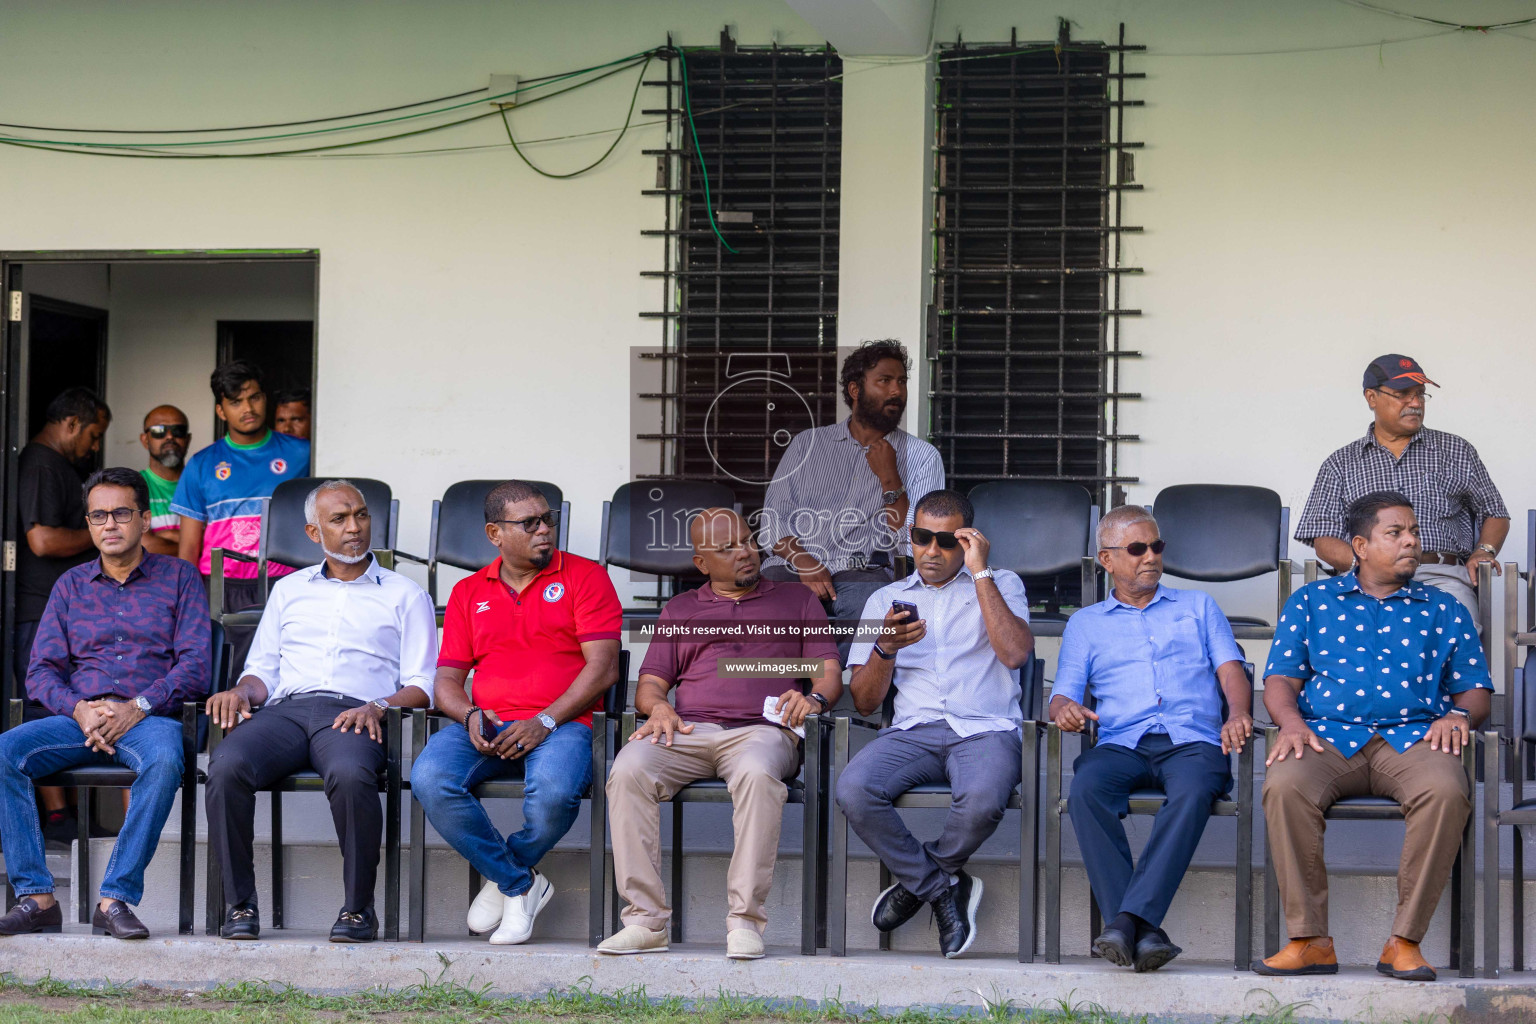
{"x":1396,"y":372}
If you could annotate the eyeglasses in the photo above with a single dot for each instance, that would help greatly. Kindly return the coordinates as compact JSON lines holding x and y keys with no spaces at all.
{"x":550,"y":519}
{"x":922,"y":538}
{"x":98,"y":517}
{"x":1139,"y":548}
{"x":1404,"y":397}
{"x":162,"y":430}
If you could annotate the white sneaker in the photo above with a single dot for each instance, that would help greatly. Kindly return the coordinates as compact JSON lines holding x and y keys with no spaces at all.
{"x":634,"y":938}
{"x":519,"y":912}
{"x":743,"y":944}
{"x":485,"y":911}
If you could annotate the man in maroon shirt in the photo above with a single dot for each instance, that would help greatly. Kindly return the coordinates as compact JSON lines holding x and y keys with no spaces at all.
{"x":718,"y":729}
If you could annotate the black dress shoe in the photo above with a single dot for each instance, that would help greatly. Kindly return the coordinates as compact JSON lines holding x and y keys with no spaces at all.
{"x":1153,"y":950}
{"x":117,"y":921}
{"x":955,"y":912}
{"x":1117,"y":942}
{"x":241,"y":922}
{"x":894,"y":908}
{"x":27,"y":916}
{"x":355,"y":926}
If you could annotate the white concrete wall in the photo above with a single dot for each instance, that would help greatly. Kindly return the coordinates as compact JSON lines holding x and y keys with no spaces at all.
{"x":162,"y":337}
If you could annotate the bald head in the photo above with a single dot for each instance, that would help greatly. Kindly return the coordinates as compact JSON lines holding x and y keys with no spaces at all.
{"x":725,"y":550}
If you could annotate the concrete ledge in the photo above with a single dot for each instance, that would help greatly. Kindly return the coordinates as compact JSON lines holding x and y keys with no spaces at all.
{"x":1187,"y":992}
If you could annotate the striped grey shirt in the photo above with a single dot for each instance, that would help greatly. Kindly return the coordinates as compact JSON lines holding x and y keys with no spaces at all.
{"x":825,"y":494}
{"x":1440,"y":473}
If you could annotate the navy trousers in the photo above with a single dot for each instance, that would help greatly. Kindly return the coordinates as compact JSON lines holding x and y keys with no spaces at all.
{"x":1192,"y":776}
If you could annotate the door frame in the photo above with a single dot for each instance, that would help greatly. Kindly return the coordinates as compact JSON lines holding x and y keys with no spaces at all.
{"x":12,"y":348}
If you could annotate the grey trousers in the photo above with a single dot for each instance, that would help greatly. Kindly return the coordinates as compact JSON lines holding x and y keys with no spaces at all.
{"x":1452,"y":579}
{"x":853,"y":588}
{"x":982,"y":771}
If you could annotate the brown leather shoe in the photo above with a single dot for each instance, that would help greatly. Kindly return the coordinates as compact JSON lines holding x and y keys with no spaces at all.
{"x":1402,"y":959}
{"x":1300,"y":956}
{"x":118,"y":921}
{"x":26,"y":916}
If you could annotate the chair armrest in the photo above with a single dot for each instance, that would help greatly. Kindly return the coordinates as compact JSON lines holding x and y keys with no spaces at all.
{"x":860,"y":722}
{"x":218,"y":555}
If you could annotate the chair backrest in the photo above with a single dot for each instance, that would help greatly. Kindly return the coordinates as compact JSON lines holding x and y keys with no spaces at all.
{"x":459,"y":534}
{"x":283,"y":538}
{"x":1031,"y":693}
{"x":1220,"y":532}
{"x":1521,"y":723}
{"x":645,"y":526}
{"x":616,"y":697}
{"x":1037,"y":527}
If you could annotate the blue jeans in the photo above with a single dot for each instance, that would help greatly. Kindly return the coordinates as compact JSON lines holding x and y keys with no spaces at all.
{"x":33,"y":750}
{"x":557,"y":773}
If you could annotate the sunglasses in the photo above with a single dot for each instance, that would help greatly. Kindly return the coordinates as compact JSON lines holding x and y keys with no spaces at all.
{"x":922,"y":538}
{"x":550,"y":519}
{"x":162,"y":430}
{"x":98,"y":517}
{"x":1139,"y":548}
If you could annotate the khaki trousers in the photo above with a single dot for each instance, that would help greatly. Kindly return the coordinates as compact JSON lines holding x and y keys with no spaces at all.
{"x":1431,"y":786}
{"x":753,"y":761}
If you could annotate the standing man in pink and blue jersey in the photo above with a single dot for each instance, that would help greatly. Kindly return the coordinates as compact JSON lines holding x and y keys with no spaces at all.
{"x":219,"y":494}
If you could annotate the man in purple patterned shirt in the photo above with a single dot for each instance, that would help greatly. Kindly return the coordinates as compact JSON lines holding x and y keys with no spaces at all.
{"x":123,"y":643}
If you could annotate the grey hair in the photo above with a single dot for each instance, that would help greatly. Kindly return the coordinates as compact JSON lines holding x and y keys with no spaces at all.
{"x":1118,"y":519}
{"x":311,"y":516}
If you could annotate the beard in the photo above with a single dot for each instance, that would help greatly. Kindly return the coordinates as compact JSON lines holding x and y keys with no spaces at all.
{"x":877,"y":415}
{"x":748,"y":578}
{"x":345,"y":559}
{"x":171,"y":459}
{"x":543,"y":558}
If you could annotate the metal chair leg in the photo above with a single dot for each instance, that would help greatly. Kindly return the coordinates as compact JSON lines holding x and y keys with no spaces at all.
{"x":1489,"y":748}
{"x":678,"y":902}
{"x":84,"y":805}
{"x":1029,"y":840}
{"x":1053,"y":845}
{"x":596,"y":884}
{"x":417,"y":883}
{"x":1517,"y":899}
{"x":394,"y":729}
{"x":837,"y":877}
{"x":1242,"y":938}
{"x":885,"y":883}
{"x":810,"y":847}
{"x":187,"y":866}
{"x":1271,"y":882}
{"x":277,"y":859}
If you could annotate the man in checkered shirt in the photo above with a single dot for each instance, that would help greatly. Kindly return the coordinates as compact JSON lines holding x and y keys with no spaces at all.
{"x":1462,"y":519}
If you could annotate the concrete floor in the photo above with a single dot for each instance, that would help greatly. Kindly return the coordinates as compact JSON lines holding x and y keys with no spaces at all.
{"x":1182,"y":991}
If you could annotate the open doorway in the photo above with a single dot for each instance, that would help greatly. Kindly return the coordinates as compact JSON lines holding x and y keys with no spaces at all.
{"x":285,"y":351}
{"x":143,"y":330}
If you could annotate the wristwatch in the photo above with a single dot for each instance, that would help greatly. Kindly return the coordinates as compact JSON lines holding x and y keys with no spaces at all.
{"x":882,"y":654}
{"x":545,"y":721}
{"x":142,"y":703}
{"x":985,"y":574}
{"x":382,"y":704}
{"x":892,"y":497}
{"x":1460,"y":713}
{"x":1493,"y":552}
{"x":818,"y":698}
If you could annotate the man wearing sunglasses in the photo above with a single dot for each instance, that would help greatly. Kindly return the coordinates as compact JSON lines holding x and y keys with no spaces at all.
{"x":1159,"y":662}
{"x":955,"y":670}
{"x":123,"y":644}
{"x":166,"y":437}
{"x":1460,"y":512}
{"x":539,"y":628}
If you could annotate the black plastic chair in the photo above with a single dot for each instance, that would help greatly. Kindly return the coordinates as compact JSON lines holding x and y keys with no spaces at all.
{"x":1379,"y":808}
{"x":284,"y":541}
{"x":1221,"y":533}
{"x":1520,"y":815}
{"x":87,"y":779}
{"x":645,"y":529}
{"x":1040,"y":528}
{"x":457,"y":538}
{"x":390,"y":784}
{"x":1239,"y":805}
{"x":808,"y":789}
{"x":1026,"y":799}
{"x":425,"y":724}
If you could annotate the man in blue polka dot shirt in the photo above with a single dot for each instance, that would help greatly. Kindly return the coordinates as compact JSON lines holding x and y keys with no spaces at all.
{"x":1376,"y":682}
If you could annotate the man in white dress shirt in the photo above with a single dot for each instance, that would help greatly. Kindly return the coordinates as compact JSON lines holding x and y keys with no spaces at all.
{"x":955,"y":667}
{"x":338,"y":643}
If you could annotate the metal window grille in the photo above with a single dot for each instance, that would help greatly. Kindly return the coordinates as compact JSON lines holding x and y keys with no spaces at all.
{"x":749,"y":338}
{"x":1030,"y":166}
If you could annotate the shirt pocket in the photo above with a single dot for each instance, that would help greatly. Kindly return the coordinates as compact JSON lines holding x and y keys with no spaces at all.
{"x":1185,"y":642}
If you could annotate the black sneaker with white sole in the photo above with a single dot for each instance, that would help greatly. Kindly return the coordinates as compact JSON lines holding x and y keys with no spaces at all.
{"x":894,"y":908}
{"x":955,"y":912}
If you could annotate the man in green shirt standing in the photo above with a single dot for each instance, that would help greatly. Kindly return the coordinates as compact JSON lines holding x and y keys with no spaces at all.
{"x":166,"y":437}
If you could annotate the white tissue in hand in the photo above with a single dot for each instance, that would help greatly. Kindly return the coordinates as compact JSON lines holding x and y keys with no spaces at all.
{"x":771,"y":712}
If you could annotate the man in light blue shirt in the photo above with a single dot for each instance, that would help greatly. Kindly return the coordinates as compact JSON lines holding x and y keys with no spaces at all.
{"x":955,"y":669}
{"x":1158,"y":662}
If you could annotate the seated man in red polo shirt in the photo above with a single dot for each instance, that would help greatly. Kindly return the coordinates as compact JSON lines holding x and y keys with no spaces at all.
{"x":718,"y":729}
{"x":540,"y":629}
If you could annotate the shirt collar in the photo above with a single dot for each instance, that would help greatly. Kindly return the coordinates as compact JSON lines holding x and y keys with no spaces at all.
{"x":706,"y":594}
{"x":916,"y":581}
{"x":843,"y":433}
{"x":138,"y":571}
{"x":1423,"y":436}
{"x":373,"y":574}
{"x":1413,"y":590}
{"x":1164,"y":593}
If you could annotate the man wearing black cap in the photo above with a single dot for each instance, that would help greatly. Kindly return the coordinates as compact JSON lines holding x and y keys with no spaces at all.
{"x":1462,"y":519}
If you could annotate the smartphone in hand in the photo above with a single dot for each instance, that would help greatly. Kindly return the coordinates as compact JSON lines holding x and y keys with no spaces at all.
{"x":488,"y":732}
{"x":908,"y":607}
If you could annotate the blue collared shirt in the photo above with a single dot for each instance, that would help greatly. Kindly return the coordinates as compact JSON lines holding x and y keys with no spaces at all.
{"x":951,"y":675}
{"x":1151,"y":669}
{"x":1376,"y":666}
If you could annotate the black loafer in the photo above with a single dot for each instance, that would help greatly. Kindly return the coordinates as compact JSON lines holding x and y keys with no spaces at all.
{"x":1115,"y":944}
{"x":894,"y":908}
{"x":1153,"y":950}
{"x":28,"y":917}
{"x":355,"y":926}
{"x":241,"y":922}
{"x":117,"y":921}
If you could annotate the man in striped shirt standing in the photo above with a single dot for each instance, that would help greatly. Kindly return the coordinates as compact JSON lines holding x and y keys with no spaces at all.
{"x":841,"y":497}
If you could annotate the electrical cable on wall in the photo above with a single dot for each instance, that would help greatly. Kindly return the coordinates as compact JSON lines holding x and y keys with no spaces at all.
{"x":640,"y":80}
